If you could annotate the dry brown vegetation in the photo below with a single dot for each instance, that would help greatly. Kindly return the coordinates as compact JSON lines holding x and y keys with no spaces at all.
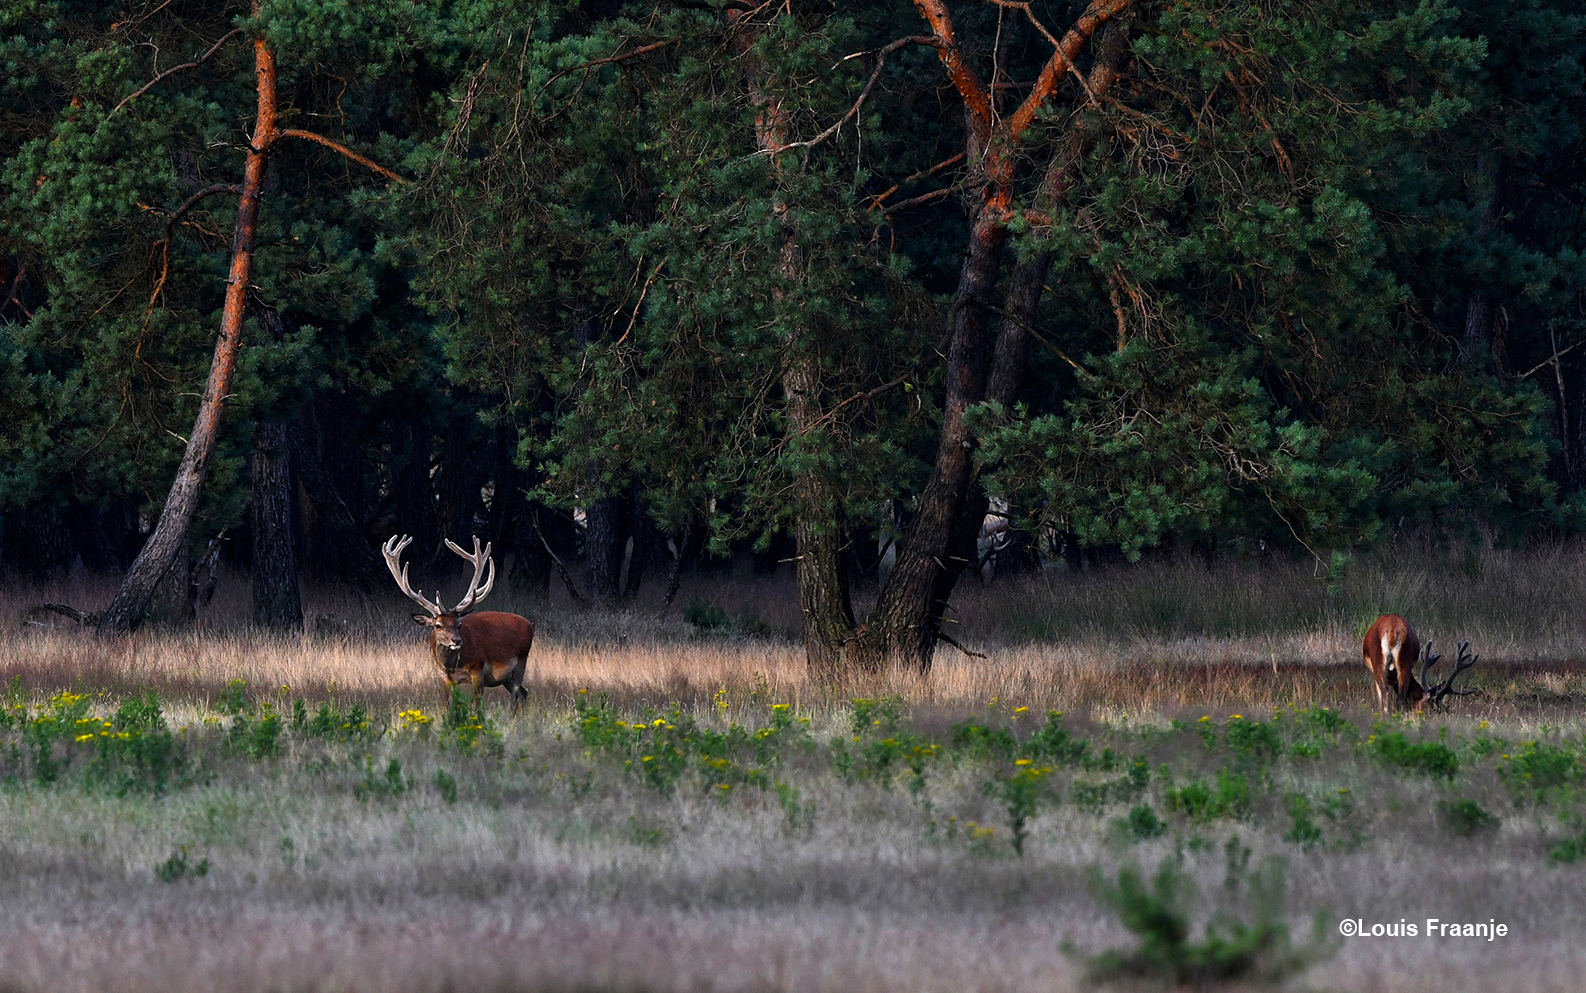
{"x":557,"y":870}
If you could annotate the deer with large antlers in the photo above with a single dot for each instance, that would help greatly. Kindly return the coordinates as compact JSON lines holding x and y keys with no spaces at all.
{"x":486,"y":649}
{"x":1391,"y":648}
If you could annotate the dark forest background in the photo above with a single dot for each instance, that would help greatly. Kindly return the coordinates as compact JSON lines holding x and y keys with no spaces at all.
{"x":626,"y":288}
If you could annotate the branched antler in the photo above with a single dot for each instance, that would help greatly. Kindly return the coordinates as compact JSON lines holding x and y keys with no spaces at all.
{"x":1436,"y":693}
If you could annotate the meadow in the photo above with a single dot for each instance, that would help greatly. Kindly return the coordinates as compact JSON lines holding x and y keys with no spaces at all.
{"x":1161,"y":774}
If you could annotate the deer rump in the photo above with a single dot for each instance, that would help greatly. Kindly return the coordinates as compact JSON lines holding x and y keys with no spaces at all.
{"x":1391,"y":647}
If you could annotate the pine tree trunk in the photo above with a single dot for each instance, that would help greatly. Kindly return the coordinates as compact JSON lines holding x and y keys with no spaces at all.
{"x":336,"y":546}
{"x":169,"y":538}
{"x":605,"y":539}
{"x":415,"y":499}
{"x":903,"y":627}
{"x":277,"y":603}
{"x":824,"y":597}
{"x":940,"y":541}
{"x":37,"y":541}
{"x":641,"y":538}
{"x":1477,"y":344}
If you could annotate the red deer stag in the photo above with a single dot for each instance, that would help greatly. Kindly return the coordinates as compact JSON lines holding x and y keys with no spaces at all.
{"x":1391,"y":647}
{"x":489,"y":648}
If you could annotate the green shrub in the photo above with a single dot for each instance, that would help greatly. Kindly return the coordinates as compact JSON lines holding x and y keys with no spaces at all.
{"x":1306,"y":831}
{"x":876,"y":716}
{"x":705,"y":616}
{"x":1053,"y":745}
{"x":256,"y":728}
{"x":466,"y":726}
{"x":65,"y":715}
{"x":1324,"y":720}
{"x":385,"y":786}
{"x":1159,"y":915}
{"x":1092,"y":797}
{"x":1538,"y":767}
{"x":177,"y":868}
{"x":446,"y":783}
{"x":1429,"y":758}
{"x":1252,"y":741}
{"x":1022,"y":793}
{"x":135,"y":748}
{"x":1230,"y":797}
{"x":1141,"y":824}
{"x":332,"y":723}
{"x":1467,"y":817}
{"x":1568,"y":851}
{"x":972,"y":741}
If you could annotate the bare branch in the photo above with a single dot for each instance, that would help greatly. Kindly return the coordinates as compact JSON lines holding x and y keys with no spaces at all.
{"x":170,"y":232}
{"x":1547,"y":361}
{"x":875,"y":74}
{"x":585,"y":67}
{"x":933,"y":170}
{"x":567,"y":581}
{"x":343,"y":149}
{"x":1031,"y":15}
{"x":857,"y":397}
{"x":974,"y":93}
{"x":642,"y":293}
{"x":942,"y":636}
{"x":922,"y":198}
{"x":175,"y":69}
{"x":1097,"y":14}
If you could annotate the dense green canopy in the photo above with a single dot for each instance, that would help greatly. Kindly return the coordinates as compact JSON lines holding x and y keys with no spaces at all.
{"x":1236,"y":274}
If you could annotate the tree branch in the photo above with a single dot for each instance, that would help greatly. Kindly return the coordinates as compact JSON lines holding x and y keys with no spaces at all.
{"x":933,"y":170}
{"x":1025,"y":6}
{"x":585,"y":67}
{"x":922,"y":198}
{"x":1097,"y":14}
{"x":175,"y":69}
{"x":343,"y":149}
{"x":942,"y":636}
{"x":1550,"y":360}
{"x":881,"y":61}
{"x":567,"y":581}
{"x":170,"y":232}
{"x":863,"y":395}
{"x":976,"y":97}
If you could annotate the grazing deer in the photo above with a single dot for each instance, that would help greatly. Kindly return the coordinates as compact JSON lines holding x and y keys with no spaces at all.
{"x":489,"y":648}
{"x":1391,"y":647}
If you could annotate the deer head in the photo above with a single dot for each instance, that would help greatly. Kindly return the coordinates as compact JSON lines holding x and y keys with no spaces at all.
{"x":445,"y":631}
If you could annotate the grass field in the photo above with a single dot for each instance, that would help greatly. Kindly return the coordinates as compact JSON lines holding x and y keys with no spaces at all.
{"x":684,"y":810}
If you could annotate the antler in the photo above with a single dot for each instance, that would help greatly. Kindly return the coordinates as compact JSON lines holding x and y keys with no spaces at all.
{"x":1427,"y":661}
{"x":479,"y":560}
{"x":392,"y":550}
{"x":1435,"y":694}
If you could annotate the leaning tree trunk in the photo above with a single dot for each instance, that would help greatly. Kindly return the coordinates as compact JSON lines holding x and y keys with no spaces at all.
{"x":905,"y":625}
{"x":938,"y":544}
{"x":277,"y":604}
{"x":126,"y":610}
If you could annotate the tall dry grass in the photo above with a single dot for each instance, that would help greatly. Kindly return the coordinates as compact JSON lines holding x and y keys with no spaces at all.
{"x":1156,"y":636}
